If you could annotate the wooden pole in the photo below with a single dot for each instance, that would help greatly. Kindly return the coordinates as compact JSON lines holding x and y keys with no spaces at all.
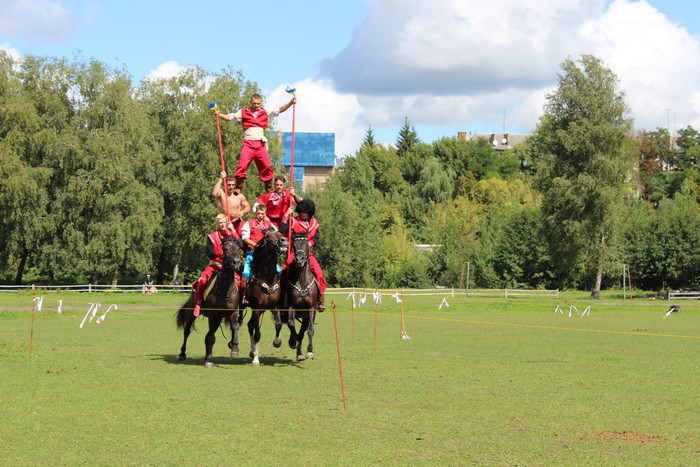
{"x":340,"y":362}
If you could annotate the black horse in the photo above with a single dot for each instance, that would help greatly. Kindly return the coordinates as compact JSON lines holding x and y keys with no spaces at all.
{"x":303,"y":295}
{"x":264,"y":291}
{"x":221,"y":304}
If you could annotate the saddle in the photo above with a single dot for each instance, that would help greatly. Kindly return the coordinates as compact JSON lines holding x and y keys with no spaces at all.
{"x":212,"y":283}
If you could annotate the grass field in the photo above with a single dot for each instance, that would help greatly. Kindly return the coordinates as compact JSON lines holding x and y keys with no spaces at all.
{"x":485,"y":380}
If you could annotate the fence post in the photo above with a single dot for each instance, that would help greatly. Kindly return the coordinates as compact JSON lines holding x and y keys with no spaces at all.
{"x":466,"y":291}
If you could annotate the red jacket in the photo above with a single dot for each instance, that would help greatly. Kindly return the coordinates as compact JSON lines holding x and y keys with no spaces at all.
{"x":256,"y":229}
{"x":300,"y":227}
{"x":215,"y":249}
{"x":276,"y":204}
{"x":249,"y":121}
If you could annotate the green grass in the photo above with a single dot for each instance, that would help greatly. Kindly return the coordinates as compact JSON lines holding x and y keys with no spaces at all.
{"x":486,"y":380}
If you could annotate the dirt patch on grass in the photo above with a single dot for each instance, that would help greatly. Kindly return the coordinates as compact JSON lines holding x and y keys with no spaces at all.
{"x":634,"y":436}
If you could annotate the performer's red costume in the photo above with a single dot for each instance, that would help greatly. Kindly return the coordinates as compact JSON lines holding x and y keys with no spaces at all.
{"x":277,"y":204}
{"x":254,"y":149}
{"x":310,"y":229}
{"x":214,"y":250}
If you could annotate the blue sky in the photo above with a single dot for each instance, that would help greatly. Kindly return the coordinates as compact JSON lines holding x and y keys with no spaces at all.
{"x":446,"y":65}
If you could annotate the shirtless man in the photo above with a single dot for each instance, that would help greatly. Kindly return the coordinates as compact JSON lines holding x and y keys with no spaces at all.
{"x":237,"y":204}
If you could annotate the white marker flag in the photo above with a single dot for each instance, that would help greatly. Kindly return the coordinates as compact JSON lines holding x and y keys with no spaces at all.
{"x":39,"y":301}
{"x":92,"y":305}
{"x":102,"y":318}
{"x":444,"y":302}
{"x":60,"y":305}
{"x":94,"y":311}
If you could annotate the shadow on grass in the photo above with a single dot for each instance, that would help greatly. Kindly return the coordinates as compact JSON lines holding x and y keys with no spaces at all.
{"x":244,"y":361}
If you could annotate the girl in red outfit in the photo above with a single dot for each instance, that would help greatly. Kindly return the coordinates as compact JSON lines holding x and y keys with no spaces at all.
{"x":279,"y":201}
{"x":305,"y":223}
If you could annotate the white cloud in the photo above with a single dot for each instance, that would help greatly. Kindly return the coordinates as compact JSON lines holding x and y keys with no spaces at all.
{"x":166,"y":70}
{"x":321,"y":109}
{"x":658,"y":62}
{"x":458,"y":46}
{"x":36,"y":20}
{"x":13,"y":53}
{"x":462,"y":62}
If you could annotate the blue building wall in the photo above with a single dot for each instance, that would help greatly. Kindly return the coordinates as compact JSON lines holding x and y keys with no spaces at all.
{"x":310,"y":149}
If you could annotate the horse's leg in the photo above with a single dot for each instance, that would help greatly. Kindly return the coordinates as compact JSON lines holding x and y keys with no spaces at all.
{"x":277,"y":314}
{"x":310,"y":334}
{"x":209,"y":339}
{"x":300,"y":338}
{"x":292,"y":329}
{"x":188,"y":329}
{"x":254,"y":331}
{"x":235,"y":322}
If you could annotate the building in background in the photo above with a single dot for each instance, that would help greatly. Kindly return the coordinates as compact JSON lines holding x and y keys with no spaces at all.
{"x":500,"y":141}
{"x":314,"y":157}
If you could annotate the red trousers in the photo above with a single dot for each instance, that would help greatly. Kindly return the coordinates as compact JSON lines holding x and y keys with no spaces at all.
{"x":201,"y":283}
{"x":254,"y":150}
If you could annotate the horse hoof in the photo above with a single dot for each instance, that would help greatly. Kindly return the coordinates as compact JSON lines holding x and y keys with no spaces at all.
{"x":182,"y":357}
{"x":208,"y":364}
{"x":300,"y":358}
{"x":234,"y":354}
{"x":277,"y":343}
{"x":310,"y":355}
{"x":254,"y":363}
{"x":292,"y":344}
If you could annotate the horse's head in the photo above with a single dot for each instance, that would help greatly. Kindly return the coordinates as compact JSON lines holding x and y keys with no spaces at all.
{"x":274,"y":242}
{"x":231,"y":259}
{"x":300,"y":245}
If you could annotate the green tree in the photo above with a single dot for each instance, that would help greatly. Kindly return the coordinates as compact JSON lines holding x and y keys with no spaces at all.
{"x":369,"y":138}
{"x":407,"y":140}
{"x":585,"y":165}
{"x":435,"y":183}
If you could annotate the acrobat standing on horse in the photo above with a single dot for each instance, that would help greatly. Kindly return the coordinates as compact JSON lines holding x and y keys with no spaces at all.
{"x":305,"y":224}
{"x":214,"y":251}
{"x":254,"y":120}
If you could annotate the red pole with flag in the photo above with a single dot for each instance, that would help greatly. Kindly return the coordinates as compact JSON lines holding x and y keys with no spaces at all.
{"x":215,"y":105}
{"x":294,"y":119}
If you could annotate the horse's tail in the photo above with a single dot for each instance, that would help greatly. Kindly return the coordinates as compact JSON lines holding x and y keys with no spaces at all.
{"x":185,"y":313}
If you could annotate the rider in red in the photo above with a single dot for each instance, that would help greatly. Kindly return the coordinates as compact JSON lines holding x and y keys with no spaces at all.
{"x":305,"y":223}
{"x":278,"y":201}
{"x":214,"y":251}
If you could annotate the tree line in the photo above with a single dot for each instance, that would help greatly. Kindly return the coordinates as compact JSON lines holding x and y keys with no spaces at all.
{"x":103,"y":181}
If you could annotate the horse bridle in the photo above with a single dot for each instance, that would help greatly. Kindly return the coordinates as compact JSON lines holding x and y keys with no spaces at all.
{"x":253,"y":279}
{"x":227,"y":263}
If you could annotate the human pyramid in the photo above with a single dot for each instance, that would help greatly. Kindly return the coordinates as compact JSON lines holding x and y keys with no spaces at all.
{"x":272,"y":210}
